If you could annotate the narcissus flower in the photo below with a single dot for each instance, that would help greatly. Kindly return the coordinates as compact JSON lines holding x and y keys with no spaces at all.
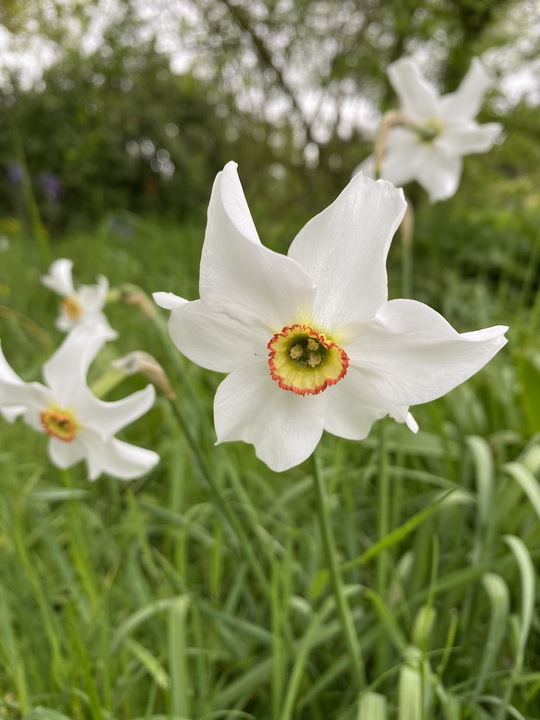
{"x":435,"y":132}
{"x":309,"y":340}
{"x":81,"y":307}
{"x":80,"y":425}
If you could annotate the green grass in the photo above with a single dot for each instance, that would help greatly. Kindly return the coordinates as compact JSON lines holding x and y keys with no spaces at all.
{"x":202,"y":591}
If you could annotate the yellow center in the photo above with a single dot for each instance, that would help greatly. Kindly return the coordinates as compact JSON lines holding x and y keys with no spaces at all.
{"x":428,"y":132}
{"x":72,"y":307}
{"x":60,"y":423}
{"x":304,"y":361}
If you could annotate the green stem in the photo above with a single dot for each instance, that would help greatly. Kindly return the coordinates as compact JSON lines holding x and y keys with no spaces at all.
{"x":383,"y":515}
{"x":344,"y":611}
{"x":221,"y":503}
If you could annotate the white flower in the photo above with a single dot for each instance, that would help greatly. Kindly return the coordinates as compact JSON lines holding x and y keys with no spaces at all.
{"x":436,"y":131}
{"x":82,"y":307}
{"x":80,"y":425}
{"x":309,"y":340}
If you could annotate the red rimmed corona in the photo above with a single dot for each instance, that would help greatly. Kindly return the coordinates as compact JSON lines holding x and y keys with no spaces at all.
{"x":60,"y":424}
{"x":303,"y":360}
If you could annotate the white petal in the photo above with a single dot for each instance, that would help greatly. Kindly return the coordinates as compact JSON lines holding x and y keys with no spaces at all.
{"x":12,"y":413}
{"x":466,"y":101}
{"x":106,"y":418}
{"x":412,"y":355}
{"x":215,"y":341}
{"x":404,"y":157}
{"x":7,"y":374}
{"x":59,"y":278}
{"x":411,"y":423}
{"x":65,"y":454}
{"x":168,"y":300}
{"x":93,"y":297}
{"x":440,"y":178}
{"x":284,"y":428}
{"x":344,"y":251}
{"x":352,"y":407}
{"x":16,"y":396}
{"x":239,"y":277}
{"x":466,"y":138}
{"x":115,"y":457}
{"x":419,"y":99}
{"x":65,"y":372}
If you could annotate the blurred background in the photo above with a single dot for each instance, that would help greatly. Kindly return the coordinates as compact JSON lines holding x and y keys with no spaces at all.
{"x":115,"y":106}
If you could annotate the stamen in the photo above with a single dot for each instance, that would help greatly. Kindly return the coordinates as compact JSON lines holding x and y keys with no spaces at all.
{"x":72,"y":307}
{"x":60,"y":424}
{"x":304,"y":361}
{"x":428,"y":132}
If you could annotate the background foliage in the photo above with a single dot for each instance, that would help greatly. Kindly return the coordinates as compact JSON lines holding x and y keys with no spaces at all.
{"x":201,"y":590}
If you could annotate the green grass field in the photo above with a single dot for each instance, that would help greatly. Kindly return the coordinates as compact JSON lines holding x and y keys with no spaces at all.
{"x":202,"y":591}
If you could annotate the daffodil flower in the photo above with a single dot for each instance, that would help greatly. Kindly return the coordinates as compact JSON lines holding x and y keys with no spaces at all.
{"x":435,"y":132}
{"x":80,"y":426}
{"x":81,"y":307}
{"x":309,"y":340}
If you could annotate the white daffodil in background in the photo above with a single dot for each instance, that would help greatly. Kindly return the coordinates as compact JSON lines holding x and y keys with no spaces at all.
{"x":434,"y":132}
{"x":80,"y":425}
{"x":81,"y":307}
{"x":309,"y":340}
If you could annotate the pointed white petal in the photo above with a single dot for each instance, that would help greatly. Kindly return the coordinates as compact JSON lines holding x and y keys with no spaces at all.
{"x":17,"y":396}
{"x":59,"y":279}
{"x":168,"y":300}
{"x":352,"y":407}
{"x":215,"y":341}
{"x":284,"y":428}
{"x":440,"y":178}
{"x":239,"y":277}
{"x":418,"y":98}
{"x":344,"y":251}
{"x":65,"y":372}
{"x":65,"y":454}
{"x":411,"y":423}
{"x":7,"y":374}
{"x":412,"y":355}
{"x":115,"y":457}
{"x":469,"y":137}
{"x":107,"y":418}
{"x":466,"y":101}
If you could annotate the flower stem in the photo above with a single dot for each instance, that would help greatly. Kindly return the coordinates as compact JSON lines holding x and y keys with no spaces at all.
{"x":344,"y":611}
{"x":383,"y":514}
{"x":407,"y":236}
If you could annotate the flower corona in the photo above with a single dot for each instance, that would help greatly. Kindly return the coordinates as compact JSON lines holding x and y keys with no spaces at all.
{"x":59,"y":423}
{"x":304,"y":361}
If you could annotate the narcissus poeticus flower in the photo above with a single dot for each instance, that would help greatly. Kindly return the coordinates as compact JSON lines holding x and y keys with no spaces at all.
{"x":434,"y":132}
{"x":80,"y":425}
{"x":309,"y":340}
{"x":81,"y":307}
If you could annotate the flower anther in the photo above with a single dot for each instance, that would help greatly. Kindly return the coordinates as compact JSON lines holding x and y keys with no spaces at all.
{"x":430,"y":131}
{"x":304,"y":361}
{"x":60,"y":423}
{"x":72,"y":307}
